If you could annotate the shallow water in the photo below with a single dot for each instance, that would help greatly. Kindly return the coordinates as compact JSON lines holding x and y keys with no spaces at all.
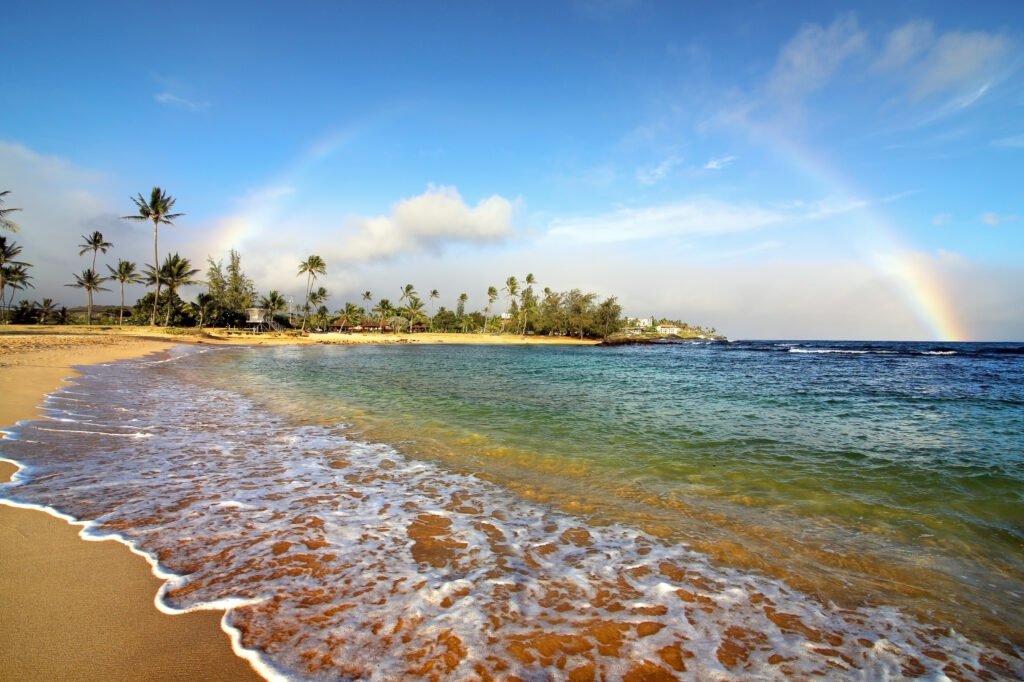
{"x":771,"y":509}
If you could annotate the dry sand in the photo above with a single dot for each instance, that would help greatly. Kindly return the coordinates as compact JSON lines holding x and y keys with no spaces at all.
{"x":76,"y":610}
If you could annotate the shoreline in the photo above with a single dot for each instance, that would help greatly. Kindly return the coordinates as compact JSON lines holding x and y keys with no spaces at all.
{"x":71,"y":606}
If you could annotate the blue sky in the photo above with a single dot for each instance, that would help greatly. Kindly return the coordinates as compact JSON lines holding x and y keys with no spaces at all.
{"x":775,"y":170}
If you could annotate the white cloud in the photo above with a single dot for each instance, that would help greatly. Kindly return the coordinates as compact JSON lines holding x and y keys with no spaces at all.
{"x":942,"y":219}
{"x":991,"y":218}
{"x":650,"y":176}
{"x":1014,"y":141}
{"x":808,"y":61}
{"x":961,"y":60}
{"x":966,"y":64}
{"x":428,"y":221}
{"x":702,"y":216}
{"x":180,"y":102}
{"x":718,"y":164}
{"x":905,"y":44}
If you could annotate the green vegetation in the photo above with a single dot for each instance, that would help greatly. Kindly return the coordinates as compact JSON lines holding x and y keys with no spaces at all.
{"x":229,"y":292}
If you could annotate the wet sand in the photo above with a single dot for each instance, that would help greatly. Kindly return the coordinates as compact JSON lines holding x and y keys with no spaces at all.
{"x":71,"y":609}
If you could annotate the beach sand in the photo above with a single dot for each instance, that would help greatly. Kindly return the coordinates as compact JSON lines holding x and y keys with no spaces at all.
{"x":76,"y":610}
{"x":71,"y":609}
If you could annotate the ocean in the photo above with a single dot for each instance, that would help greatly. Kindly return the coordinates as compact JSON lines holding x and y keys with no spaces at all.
{"x":754,"y":509}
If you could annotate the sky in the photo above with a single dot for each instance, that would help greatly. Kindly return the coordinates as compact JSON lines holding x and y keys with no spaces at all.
{"x":784,"y":170}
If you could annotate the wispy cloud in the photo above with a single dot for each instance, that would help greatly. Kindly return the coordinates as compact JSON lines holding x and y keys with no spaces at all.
{"x":702,"y":216}
{"x":172,"y":100}
{"x":966,"y":64}
{"x":699,"y":216}
{"x":437,"y":217}
{"x":992,"y":218}
{"x":899,"y":195}
{"x":718,"y":164}
{"x":650,"y":176}
{"x":1014,"y":141}
{"x":942,"y":219}
{"x":808,"y":61}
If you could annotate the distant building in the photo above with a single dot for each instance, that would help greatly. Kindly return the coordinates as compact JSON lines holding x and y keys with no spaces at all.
{"x":668,"y":329}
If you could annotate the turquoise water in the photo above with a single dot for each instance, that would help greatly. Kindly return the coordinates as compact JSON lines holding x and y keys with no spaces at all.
{"x":753,"y":508}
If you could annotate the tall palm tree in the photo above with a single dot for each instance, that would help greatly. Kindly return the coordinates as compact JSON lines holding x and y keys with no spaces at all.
{"x":90,"y":281}
{"x":311,"y":267}
{"x":368,"y":296}
{"x":9,"y":267}
{"x":16,"y":278}
{"x":511,"y":288}
{"x":94,"y":242}
{"x":527,"y":302}
{"x":157,"y":209}
{"x":462,"y":309}
{"x":175,"y":272}
{"x":434,"y":294}
{"x":492,"y":296}
{"x":125,"y":274}
{"x":5,"y":222}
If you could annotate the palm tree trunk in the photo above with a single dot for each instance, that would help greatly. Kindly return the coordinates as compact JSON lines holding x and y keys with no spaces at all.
{"x":170,"y":300}
{"x":156,"y":274}
{"x":88,"y":311}
{"x":120,"y":313}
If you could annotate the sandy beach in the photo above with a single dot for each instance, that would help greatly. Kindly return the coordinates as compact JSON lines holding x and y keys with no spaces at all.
{"x":72,"y":609}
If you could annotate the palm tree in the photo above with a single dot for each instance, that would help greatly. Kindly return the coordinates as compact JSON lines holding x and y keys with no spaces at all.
{"x":433,"y":295}
{"x":157,"y":209}
{"x":15,"y":277}
{"x":368,"y":296}
{"x":274,"y":302}
{"x":91,"y":282}
{"x":5,"y":222}
{"x":384,"y":309}
{"x":408,"y":292}
{"x":125,"y":274}
{"x":350,"y":313}
{"x":316,"y":298}
{"x":311,"y":267}
{"x":175,"y":272}
{"x":414,"y":311}
{"x":204,"y":301}
{"x":526,"y":299}
{"x":94,"y":243}
{"x":8,"y":267}
{"x":511,"y":288}
{"x":492,"y":296}
{"x":462,"y":309}
{"x":45,"y":309}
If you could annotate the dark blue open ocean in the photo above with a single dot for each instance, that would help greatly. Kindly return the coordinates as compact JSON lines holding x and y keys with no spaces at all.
{"x":714,"y":510}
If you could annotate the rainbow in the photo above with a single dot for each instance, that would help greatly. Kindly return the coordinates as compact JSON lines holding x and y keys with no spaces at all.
{"x":263,"y":213}
{"x":882,"y":245}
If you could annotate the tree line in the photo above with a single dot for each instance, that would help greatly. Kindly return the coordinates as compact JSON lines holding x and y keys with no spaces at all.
{"x":229,"y":293}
